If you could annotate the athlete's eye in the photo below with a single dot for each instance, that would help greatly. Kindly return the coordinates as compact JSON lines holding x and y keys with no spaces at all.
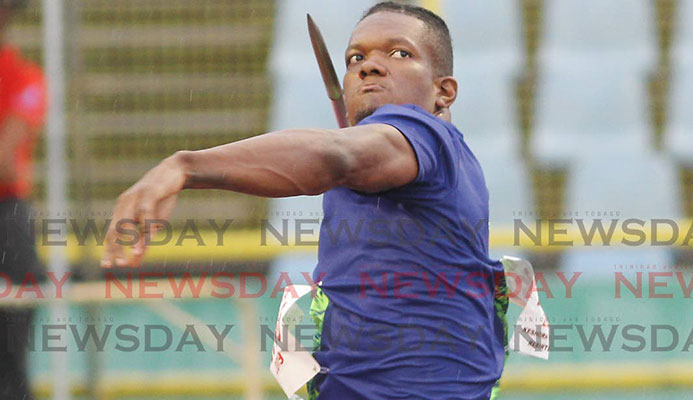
{"x":401,"y":54}
{"x":355,"y":58}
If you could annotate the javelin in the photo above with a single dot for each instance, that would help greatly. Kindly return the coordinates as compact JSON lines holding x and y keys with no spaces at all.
{"x":329,"y":76}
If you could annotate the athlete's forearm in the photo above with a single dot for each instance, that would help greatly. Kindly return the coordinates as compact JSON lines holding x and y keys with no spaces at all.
{"x":277,"y":164}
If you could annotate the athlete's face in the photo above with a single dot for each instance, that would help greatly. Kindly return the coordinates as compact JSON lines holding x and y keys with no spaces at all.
{"x":388,"y":62}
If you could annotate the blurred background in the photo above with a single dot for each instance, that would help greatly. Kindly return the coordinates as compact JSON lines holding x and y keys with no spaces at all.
{"x":576,"y":109}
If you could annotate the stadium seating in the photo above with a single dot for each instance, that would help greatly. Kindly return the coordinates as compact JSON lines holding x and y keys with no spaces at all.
{"x":148,"y":78}
{"x":591,"y":95}
{"x":617,"y":32}
{"x":485,"y":33}
{"x":487,"y":43}
{"x":580,"y":112}
{"x":642,"y":186}
{"x":683,"y":38}
{"x":679,"y":134}
{"x":485,"y":112}
{"x":637,"y":185}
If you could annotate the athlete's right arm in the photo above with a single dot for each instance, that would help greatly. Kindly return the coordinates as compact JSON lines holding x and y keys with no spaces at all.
{"x":368,"y":158}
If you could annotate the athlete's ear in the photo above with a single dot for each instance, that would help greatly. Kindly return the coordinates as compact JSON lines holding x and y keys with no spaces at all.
{"x":446,"y":87}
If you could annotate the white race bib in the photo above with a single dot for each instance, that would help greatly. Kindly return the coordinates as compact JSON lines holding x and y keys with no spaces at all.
{"x":532,"y":322}
{"x":292,"y":367}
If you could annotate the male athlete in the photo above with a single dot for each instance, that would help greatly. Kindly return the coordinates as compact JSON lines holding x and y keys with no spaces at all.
{"x":22,"y":109}
{"x":406,"y":306}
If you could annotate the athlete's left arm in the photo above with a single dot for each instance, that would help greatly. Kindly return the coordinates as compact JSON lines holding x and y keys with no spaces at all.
{"x":368,"y":158}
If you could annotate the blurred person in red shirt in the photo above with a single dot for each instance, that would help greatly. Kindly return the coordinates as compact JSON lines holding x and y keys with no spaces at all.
{"x":22,"y":110}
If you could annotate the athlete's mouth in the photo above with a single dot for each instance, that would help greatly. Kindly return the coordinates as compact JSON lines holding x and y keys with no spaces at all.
{"x":371,"y":87}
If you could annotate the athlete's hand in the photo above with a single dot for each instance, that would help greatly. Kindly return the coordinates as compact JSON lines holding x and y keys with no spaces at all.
{"x":152,"y":197}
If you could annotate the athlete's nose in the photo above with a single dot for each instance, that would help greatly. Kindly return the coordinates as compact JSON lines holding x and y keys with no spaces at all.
{"x":372,"y":67}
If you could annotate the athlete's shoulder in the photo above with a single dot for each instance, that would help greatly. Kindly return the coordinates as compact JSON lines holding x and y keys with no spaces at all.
{"x":413,"y":114}
{"x":408,"y":110}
